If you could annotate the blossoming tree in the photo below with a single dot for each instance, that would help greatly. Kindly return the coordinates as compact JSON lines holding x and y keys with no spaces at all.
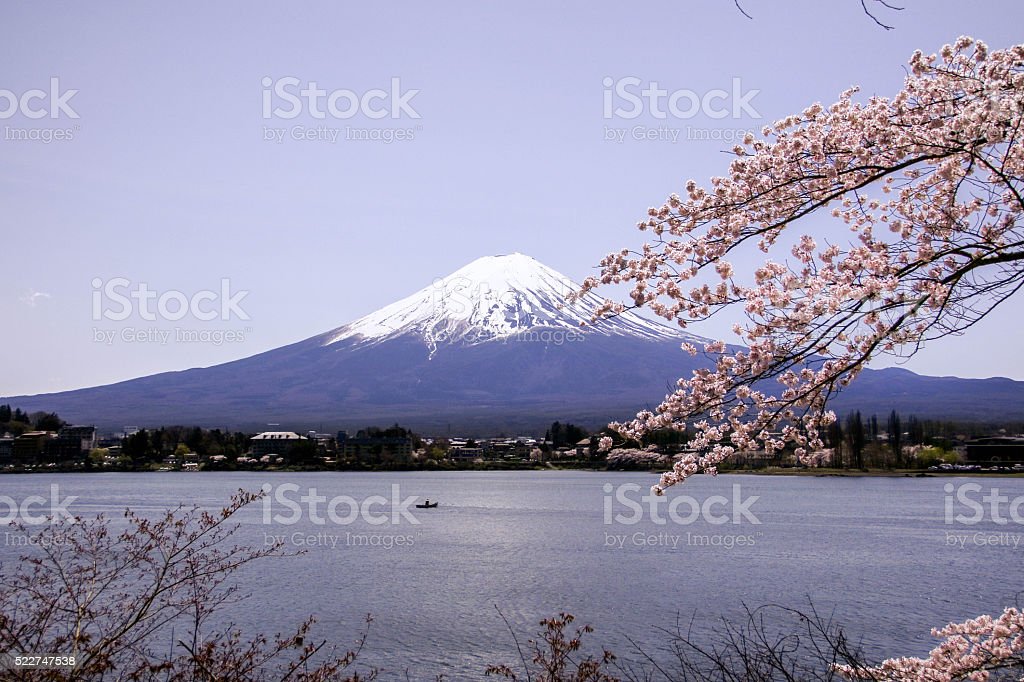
{"x":928,"y":187}
{"x":916,"y":204}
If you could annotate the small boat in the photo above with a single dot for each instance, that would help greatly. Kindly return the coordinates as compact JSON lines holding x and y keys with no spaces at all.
{"x":427,"y":505}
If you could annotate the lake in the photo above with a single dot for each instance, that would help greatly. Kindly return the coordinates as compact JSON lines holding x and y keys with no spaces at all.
{"x":878,"y":552}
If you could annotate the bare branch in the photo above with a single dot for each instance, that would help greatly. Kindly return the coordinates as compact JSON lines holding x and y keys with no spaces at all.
{"x":863,"y":4}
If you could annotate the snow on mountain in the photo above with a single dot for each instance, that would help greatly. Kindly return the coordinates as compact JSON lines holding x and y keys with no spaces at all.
{"x":482,"y":351}
{"x":496,"y":297}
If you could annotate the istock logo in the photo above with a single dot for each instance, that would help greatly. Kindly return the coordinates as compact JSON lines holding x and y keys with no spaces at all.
{"x":630,"y":97}
{"x":295,"y":97}
{"x":680,"y":509}
{"x":993,"y":506}
{"x":341,"y":510}
{"x":36,"y":104}
{"x":117,"y":299}
{"x":33,"y":510}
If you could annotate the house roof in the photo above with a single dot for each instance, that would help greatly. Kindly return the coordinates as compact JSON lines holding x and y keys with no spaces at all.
{"x":278,"y":435}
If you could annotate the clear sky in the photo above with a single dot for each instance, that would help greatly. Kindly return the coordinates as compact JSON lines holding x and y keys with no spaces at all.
{"x":488,"y":134}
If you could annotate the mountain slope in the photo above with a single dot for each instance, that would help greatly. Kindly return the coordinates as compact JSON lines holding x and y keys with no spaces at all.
{"x":492,"y":347}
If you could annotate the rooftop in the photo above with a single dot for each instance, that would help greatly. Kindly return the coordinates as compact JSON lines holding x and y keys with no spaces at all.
{"x":278,"y":435}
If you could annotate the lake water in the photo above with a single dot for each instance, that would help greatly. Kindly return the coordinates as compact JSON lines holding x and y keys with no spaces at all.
{"x":875,"y":551}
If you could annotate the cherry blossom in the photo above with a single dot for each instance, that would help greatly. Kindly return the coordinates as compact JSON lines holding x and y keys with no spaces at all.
{"x":969,"y":650}
{"x":916,"y":204}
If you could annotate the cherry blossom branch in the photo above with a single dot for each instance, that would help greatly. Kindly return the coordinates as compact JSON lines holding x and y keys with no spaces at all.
{"x":929,"y":186}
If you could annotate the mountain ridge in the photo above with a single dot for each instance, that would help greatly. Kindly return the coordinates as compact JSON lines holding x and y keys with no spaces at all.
{"x":490,"y":348}
{"x":495,"y":297}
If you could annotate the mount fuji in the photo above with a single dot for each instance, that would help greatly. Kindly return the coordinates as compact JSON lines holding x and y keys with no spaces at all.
{"x":493,"y":347}
{"x":495,"y":298}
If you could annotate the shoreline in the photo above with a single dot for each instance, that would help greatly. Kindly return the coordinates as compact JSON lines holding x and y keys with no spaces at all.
{"x":773,"y":471}
{"x":873,"y":473}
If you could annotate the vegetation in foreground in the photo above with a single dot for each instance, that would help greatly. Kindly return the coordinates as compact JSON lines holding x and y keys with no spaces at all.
{"x":112,"y":599}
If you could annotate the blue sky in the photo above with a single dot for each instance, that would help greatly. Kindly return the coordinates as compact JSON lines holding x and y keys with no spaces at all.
{"x":169,"y":178}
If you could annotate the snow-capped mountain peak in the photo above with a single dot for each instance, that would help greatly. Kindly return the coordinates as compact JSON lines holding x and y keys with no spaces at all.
{"x":495,"y":297}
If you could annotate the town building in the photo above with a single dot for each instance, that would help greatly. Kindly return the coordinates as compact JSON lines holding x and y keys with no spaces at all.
{"x":30,"y":447}
{"x":71,"y":444}
{"x":374,"y":448}
{"x":85,"y":435}
{"x":6,"y":450}
{"x":996,"y":450}
{"x":464,"y":448}
{"x":274,"y":443}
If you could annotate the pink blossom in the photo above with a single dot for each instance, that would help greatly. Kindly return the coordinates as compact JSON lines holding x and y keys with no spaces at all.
{"x":918,"y":203}
{"x":939,"y":166}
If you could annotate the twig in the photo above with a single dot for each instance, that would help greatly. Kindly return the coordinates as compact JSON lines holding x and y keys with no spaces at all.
{"x":522,"y":656}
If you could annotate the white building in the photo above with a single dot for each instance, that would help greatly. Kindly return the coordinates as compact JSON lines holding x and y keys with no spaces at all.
{"x":274,"y":443}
